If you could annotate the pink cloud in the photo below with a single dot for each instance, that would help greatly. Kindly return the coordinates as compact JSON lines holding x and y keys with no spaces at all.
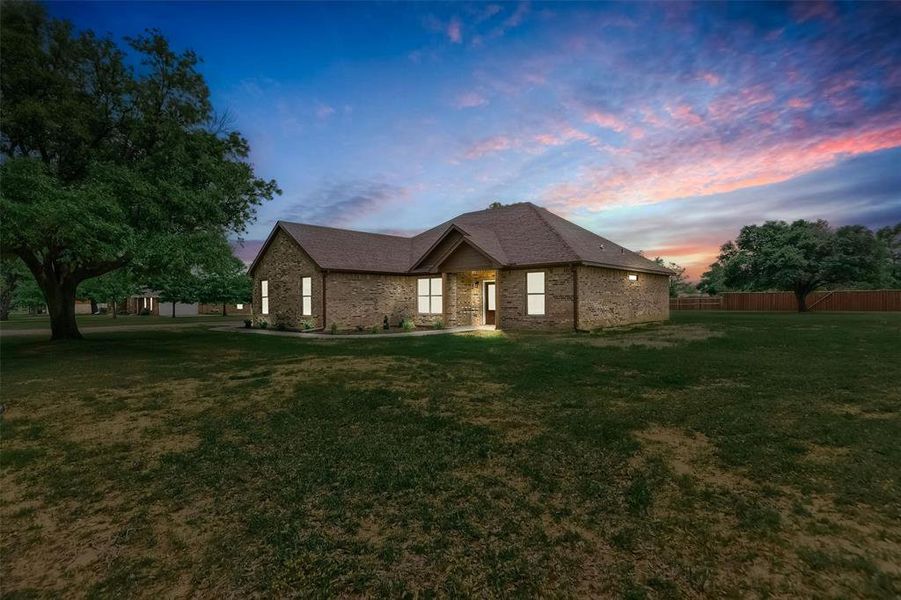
{"x":685,"y":114}
{"x":565,"y":136}
{"x":487,"y":146}
{"x":710,"y":78}
{"x":708,"y":167}
{"x":470,"y":100}
{"x":799,"y":103}
{"x":454,"y":31}
{"x":612,"y":122}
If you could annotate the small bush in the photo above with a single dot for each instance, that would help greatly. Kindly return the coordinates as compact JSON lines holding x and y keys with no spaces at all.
{"x":247,"y":323}
{"x":407,"y":325}
{"x":263,"y":324}
{"x":307,"y":324}
{"x":145,"y":312}
{"x":280,"y":326}
{"x":439,"y":324}
{"x":334,"y":328}
{"x":374,"y":329}
{"x":385,"y":324}
{"x":360,"y":328}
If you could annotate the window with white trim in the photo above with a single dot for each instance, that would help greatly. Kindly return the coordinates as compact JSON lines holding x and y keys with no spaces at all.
{"x":535,"y":293}
{"x":428,"y":296}
{"x":306,"y":295}
{"x":239,"y":306}
{"x":264,"y":294}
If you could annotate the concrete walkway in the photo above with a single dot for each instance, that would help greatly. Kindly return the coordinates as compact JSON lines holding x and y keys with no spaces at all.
{"x":344,"y":336}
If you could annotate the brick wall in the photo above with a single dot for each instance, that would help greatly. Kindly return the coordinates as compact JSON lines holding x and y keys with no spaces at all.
{"x":283,"y":265}
{"x":607,"y":297}
{"x":558,"y":299}
{"x":468,"y":301}
{"x":362,"y":299}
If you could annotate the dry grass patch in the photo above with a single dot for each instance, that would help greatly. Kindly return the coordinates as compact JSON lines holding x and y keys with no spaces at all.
{"x":653,"y":336}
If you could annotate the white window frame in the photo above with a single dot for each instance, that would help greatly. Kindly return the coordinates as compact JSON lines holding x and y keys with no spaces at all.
{"x":239,"y":306}
{"x":264,"y":296}
{"x":533,"y":293}
{"x":434,"y":300}
{"x":306,"y":296}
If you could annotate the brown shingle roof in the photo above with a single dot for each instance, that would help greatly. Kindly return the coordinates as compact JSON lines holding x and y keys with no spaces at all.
{"x":518,"y":234}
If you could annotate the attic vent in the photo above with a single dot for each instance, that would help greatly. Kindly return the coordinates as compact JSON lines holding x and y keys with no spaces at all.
{"x":602,"y":246}
{"x":622,"y":250}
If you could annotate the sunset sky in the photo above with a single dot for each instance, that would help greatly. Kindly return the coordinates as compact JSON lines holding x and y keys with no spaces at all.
{"x":664,"y":127}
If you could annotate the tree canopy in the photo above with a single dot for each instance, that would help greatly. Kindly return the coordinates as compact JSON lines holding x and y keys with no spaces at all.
{"x":109,"y":161}
{"x":800,"y":257}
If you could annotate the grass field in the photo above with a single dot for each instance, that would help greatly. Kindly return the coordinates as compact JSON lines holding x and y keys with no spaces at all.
{"x":721,"y":454}
{"x":19,"y":322}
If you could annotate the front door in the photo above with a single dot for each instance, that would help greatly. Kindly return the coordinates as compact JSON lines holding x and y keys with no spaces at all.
{"x":489,"y":302}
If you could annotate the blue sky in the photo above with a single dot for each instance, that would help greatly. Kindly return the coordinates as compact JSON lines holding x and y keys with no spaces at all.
{"x":665,"y":127}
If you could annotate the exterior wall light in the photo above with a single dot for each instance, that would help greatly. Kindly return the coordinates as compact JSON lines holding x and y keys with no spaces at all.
{"x":633,"y":277}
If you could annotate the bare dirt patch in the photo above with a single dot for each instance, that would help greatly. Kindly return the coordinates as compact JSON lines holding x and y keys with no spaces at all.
{"x":689,"y":454}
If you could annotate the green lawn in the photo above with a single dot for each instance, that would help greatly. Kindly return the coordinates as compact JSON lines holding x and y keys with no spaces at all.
{"x":717,"y":455}
{"x":19,"y":321}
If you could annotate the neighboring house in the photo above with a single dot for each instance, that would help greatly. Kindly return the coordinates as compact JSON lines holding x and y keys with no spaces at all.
{"x":516,"y":267}
{"x":224,"y":309}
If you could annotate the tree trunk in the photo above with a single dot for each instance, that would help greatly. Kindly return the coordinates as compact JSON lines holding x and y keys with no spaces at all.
{"x":6,"y":300}
{"x":224,"y":314}
{"x":801,"y":296}
{"x":173,"y":309}
{"x":94,"y":308}
{"x":61,"y":306}
{"x":115,"y":308}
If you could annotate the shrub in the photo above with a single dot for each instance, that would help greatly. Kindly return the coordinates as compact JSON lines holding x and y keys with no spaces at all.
{"x":439,"y":324}
{"x":280,"y":326}
{"x":307,"y":324}
{"x":334,"y":328}
{"x":247,"y":323}
{"x":385,"y":324}
{"x":374,"y":329}
{"x":359,"y":328}
{"x":263,"y":324}
{"x":408,"y":325}
{"x":145,"y":312}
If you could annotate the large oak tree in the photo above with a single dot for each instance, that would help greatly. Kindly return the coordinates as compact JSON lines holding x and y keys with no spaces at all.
{"x":109,"y":155}
{"x":800,"y":257}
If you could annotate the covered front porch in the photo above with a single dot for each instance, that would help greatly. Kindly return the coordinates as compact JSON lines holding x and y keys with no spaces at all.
{"x":470,"y":298}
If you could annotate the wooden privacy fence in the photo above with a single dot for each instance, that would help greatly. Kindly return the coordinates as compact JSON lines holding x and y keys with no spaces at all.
{"x":841,"y":300}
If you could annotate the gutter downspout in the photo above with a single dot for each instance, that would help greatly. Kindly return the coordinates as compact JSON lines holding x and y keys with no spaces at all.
{"x":324,"y":320}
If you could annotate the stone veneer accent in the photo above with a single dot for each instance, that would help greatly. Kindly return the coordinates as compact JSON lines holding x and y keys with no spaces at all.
{"x":607,"y":297}
{"x":283,"y":265}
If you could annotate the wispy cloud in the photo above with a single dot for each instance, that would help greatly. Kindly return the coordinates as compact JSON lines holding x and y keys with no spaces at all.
{"x":344,"y":203}
{"x":455,"y":31}
{"x":470,"y":100}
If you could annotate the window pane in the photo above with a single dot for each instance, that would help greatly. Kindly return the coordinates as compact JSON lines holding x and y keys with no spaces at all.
{"x":437,"y":305}
{"x":535,"y":283}
{"x":536,"y":304}
{"x":306,"y":285}
{"x":436,"y":286}
{"x":265,"y":305}
{"x":422,"y":287}
{"x":491,"y":296}
{"x":264,"y":287}
{"x":239,"y":306}
{"x":423,"y":304}
{"x":307,"y":306}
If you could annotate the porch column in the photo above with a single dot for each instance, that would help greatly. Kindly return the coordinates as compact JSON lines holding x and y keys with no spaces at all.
{"x":445,"y":305}
{"x":497,"y":299}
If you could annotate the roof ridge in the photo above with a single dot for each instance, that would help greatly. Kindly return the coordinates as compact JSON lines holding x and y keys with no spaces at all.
{"x":553,"y":229}
{"x":399,"y":237}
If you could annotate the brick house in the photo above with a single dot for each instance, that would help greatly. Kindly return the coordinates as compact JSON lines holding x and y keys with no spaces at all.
{"x":517,"y":267}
